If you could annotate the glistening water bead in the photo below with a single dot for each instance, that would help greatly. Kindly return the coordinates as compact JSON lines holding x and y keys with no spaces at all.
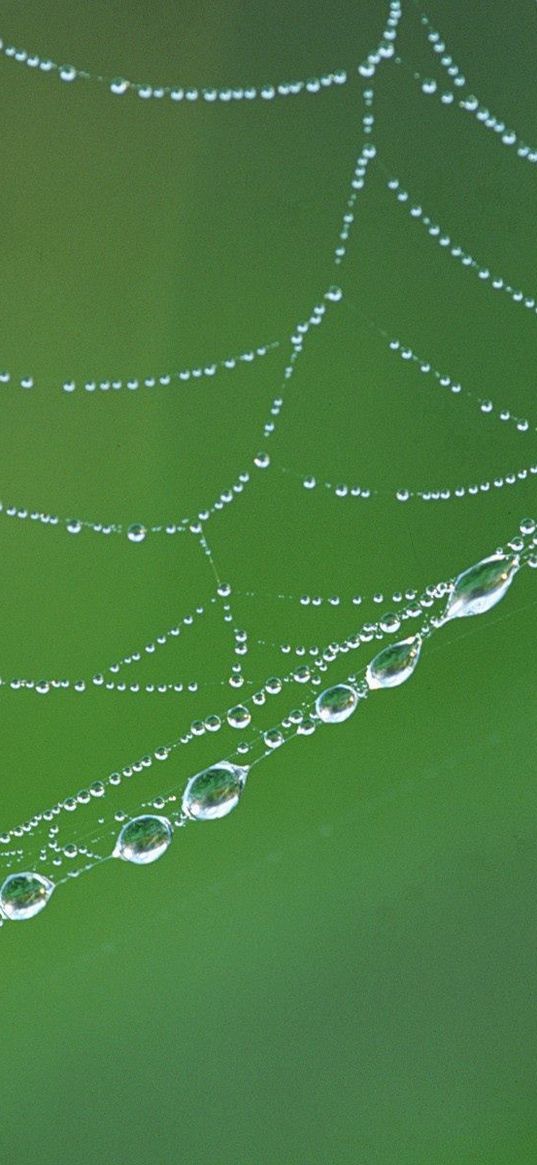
{"x":144,"y":839}
{"x":239,"y":716}
{"x":214,"y":792}
{"x":136,"y":532}
{"x":480,"y":587}
{"x":24,"y":895}
{"x":394,"y":665}
{"x":336,"y":704}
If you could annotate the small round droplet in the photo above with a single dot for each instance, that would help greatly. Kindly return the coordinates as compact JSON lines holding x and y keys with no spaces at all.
{"x":390,"y":623}
{"x":214,"y":792}
{"x":144,"y":839}
{"x":273,"y":738}
{"x":336,"y":704}
{"x":24,"y":895}
{"x":136,"y":532}
{"x":262,"y":460}
{"x":239,"y":717}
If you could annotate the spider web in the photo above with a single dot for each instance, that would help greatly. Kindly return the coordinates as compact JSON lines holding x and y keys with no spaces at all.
{"x":202,"y":556}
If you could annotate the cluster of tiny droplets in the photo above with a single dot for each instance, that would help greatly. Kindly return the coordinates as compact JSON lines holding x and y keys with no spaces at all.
{"x":469,"y":103}
{"x":457,"y":252}
{"x":486,"y":406}
{"x":225,"y":95}
{"x":300,"y":720}
{"x":297,"y":340}
{"x":368,"y":68}
{"x":228,"y":95}
{"x":137,"y":532}
{"x":163,"y":639}
{"x":202,"y":371}
{"x":403,"y":494}
{"x":388,"y":624}
{"x":333,"y":600}
{"x":366,"y":155}
{"x":385,"y":49}
{"x":71,"y":525}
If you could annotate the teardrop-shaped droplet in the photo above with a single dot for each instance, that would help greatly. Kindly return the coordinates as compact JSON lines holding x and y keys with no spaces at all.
{"x":24,"y":895}
{"x":144,"y":839}
{"x":214,"y":792}
{"x":394,"y":665}
{"x":480,"y":587}
{"x":336,"y":704}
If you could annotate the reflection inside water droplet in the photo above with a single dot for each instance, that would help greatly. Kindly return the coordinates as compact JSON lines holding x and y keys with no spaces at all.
{"x":394,"y":665}
{"x":24,"y":895}
{"x":480,"y":587}
{"x":144,"y":839}
{"x":336,"y":704}
{"x":214,"y":792}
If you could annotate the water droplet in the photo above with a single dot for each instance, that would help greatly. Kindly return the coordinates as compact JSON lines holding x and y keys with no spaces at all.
{"x":239,"y":717}
{"x":273,"y":738}
{"x":390,"y":623}
{"x":262,"y":460}
{"x":336,"y":704}
{"x":214,"y":792}
{"x":24,"y":895}
{"x":144,"y":839}
{"x":394,"y":665}
{"x":480,"y":587}
{"x":136,"y":532}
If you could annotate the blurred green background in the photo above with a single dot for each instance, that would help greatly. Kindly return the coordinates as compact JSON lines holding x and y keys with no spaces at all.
{"x":344,"y":970}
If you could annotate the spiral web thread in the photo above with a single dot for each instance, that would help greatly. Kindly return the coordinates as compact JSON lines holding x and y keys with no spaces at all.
{"x":72,"y":836}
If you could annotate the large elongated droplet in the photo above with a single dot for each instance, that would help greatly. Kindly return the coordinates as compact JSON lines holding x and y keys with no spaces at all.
{"x":144,"y":839}
{"x":336,"y":704}
{"x":24,"y":895}
{"x":214,"y":792}
{"x":395,"y":664}
{"x":480,"y":587}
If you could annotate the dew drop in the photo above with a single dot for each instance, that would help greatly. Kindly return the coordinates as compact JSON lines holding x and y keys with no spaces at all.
{"x":239,"y":717}
{"x":390,"y":623}
{"x":394,"y":665}
{"x":24,"y":895}
{"x":136,"y":532}
{"x":143,"y":840}
{"x":480,"y":587}
{"x":273,"y":738}
{"x":262,"y":460}
{"x":336,"y":704}
{"x":214,"y":792}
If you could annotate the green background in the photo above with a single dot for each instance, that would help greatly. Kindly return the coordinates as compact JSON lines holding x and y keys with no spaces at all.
{"x":344,"y":970}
